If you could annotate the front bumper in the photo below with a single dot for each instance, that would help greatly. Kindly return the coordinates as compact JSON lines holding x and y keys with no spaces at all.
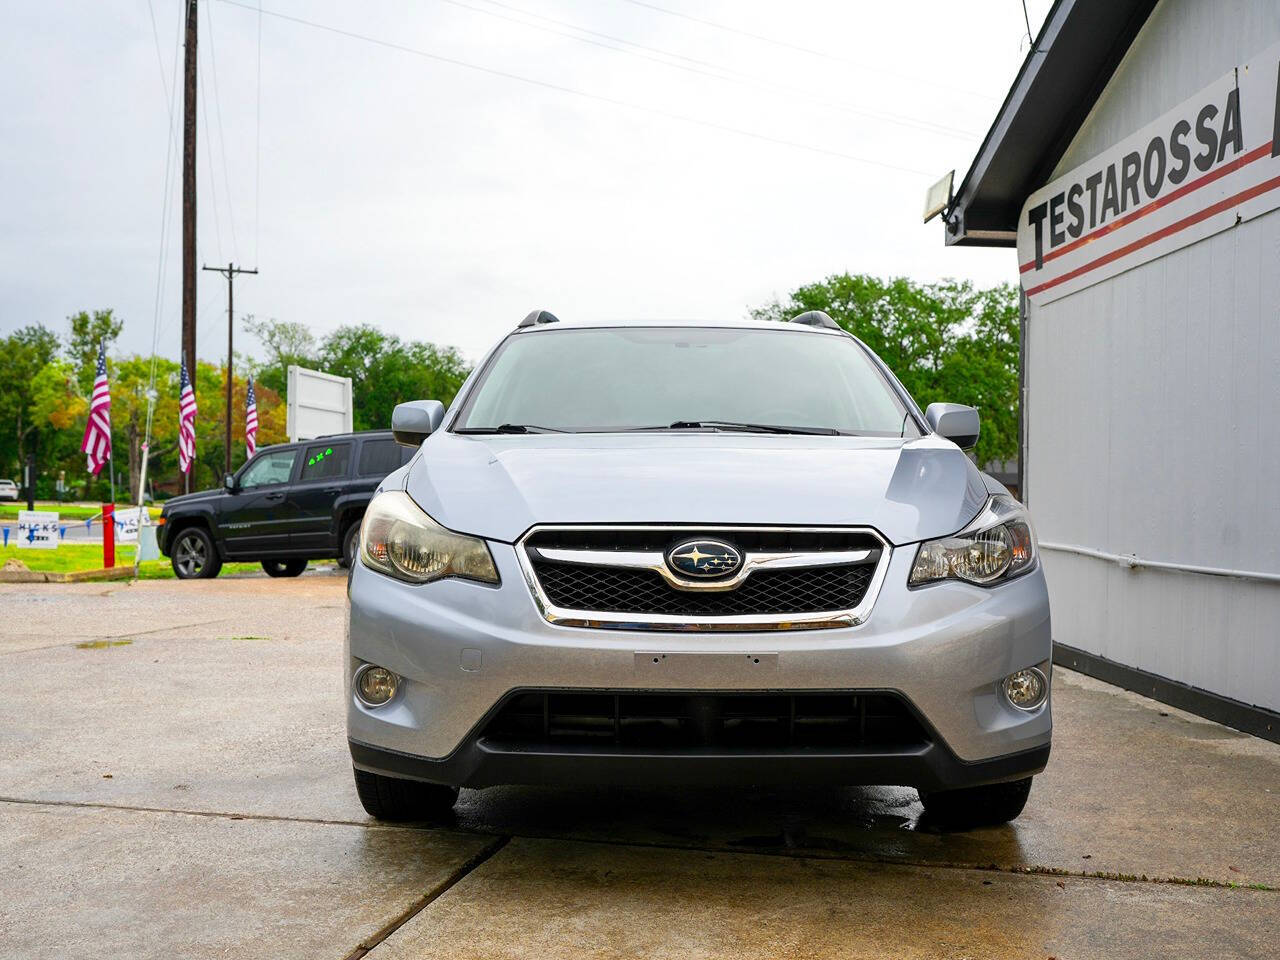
{"x":461,"y":647}
{"x":481,"y":764}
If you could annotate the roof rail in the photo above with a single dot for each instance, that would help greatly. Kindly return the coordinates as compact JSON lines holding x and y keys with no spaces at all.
{"x":816,"y":318}
{"x":536,"y":317}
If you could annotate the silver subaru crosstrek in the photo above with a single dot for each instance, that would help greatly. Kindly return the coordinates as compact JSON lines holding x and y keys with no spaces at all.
{"x":730,"y":553}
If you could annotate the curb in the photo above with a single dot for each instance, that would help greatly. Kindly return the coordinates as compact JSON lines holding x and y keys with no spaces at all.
{"x":80,"y":576}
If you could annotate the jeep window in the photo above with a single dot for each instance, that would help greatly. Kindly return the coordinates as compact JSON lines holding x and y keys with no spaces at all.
{"x":270,"y":468}
{"x":646,"y":378}
{"x":326,"y":460}
{"x":380,"y":457}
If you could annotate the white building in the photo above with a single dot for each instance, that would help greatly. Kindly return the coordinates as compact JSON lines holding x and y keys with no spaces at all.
{"x":1135,"y":167}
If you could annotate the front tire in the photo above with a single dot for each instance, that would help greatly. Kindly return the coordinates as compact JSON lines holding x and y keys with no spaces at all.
{"x":986,"y":806}
{"x":391,"y":798}
{"x":194,"y":556}
{"x":284,"y":568}
{"x":350,"y":544}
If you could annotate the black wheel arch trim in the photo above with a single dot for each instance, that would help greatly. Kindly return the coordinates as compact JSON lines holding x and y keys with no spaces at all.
{"x":347,"y":510}
{"x":196,"y":518}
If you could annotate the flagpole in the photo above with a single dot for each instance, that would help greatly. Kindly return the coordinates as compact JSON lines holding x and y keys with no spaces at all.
{"x":144,"y":519}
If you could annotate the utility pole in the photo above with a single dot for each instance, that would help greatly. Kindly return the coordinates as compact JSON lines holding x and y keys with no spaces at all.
{"x":229,"y":271}
{"x":189,"y":204}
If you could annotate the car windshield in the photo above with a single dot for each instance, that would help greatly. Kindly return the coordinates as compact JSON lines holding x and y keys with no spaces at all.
{"x":714,"y":378}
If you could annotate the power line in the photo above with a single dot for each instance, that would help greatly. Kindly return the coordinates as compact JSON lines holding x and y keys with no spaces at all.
{"x":222,"y":137}
{"x":715,"y":71}
{"x":170,"y":92}
{"x":257,"y":145}
{"x":600,"y":98}
{"x":208,"y":148}
{"x":798,"y":48}
{"x":162,"y":254}
{"x":155,"y":35}
{"x":608,"y":36}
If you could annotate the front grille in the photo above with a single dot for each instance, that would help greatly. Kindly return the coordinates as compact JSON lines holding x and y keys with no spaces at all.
{"x":675,"y":722}
{"x":624,"y":590}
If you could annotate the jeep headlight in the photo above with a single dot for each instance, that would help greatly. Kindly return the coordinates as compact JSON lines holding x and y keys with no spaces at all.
{"x":397,"y":538}
{"x":997,"y":546}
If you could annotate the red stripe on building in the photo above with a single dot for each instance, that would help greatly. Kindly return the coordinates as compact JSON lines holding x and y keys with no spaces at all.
{"x":1245,"y":195}
{"x":1256,"y":154}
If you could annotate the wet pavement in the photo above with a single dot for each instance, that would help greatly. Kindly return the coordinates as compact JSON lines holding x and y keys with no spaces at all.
{"x":174,"y":782}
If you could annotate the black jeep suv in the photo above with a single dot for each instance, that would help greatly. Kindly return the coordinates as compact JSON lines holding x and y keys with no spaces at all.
{"x":291,"y":503}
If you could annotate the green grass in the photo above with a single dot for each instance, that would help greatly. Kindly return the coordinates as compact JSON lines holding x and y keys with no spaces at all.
{"x":65,"y":511}
{"x":73,"y":557}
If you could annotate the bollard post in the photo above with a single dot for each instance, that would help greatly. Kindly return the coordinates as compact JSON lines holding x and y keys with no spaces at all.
{"x":108,"y":535}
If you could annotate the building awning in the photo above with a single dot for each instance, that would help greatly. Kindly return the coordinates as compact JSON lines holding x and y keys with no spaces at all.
{"x":1068,"y":67}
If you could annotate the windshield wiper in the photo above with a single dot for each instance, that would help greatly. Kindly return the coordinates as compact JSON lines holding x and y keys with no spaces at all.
{"x":748,"y":427}
{"x":511,"y":428}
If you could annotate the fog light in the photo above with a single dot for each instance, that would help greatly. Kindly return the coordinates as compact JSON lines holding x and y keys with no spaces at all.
{"x":1026,"y":689}
{"x":375,"y":685}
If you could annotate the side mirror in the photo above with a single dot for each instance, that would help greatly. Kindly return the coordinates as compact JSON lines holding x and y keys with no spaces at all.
{"x":413,"y":422}
{"x":229,"y":481}
{"x":955,"y":421}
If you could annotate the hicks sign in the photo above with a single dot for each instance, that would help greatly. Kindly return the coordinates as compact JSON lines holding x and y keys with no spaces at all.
{"x":38,"y":529}
{"x":1206,"y":165}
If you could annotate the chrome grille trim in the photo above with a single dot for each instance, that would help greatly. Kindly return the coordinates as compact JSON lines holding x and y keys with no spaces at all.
{"x":655,"y":561}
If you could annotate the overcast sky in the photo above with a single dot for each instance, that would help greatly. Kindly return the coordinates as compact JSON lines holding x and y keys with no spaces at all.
{"x":694,"y":166}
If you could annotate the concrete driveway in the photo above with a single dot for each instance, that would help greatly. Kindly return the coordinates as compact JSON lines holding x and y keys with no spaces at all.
{"x":174,"y":781}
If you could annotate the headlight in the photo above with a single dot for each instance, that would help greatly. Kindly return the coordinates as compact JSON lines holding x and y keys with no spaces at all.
{"x":397,"y":538}
{"x":997,"y":546}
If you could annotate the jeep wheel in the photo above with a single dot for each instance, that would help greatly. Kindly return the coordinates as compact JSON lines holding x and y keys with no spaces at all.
{"x":194,"y":556}
{"x":350,"y":544}
{"x":985,"y":806}
{"x":284,"y":568}
{"x":390,"y":798}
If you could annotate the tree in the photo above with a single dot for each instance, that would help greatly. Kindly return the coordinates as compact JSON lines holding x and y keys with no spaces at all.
{"x":287,"y":342}
{"x":88,"y":331}
{"x":23,"y":355}
{"x":55,"y":401}
{"x":385,"y":371}
{"x":945,"y":341}
{"x":130,"y":378}
{"x":47,"y":381}
{"x":211,"y":401}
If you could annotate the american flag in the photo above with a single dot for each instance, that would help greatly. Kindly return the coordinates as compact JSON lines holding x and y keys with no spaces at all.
{"x":186,"y":423}
{"x":97,"y":432}
{"x":251,"y":420}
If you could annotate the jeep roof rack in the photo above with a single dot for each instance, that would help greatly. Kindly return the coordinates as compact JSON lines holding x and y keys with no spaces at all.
{"x":816,"y":318}
{"x":537,"y":317}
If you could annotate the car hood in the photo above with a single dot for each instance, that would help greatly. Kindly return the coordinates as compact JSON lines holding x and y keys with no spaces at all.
{"x":186,"y":499}
{"x":498,"y":486}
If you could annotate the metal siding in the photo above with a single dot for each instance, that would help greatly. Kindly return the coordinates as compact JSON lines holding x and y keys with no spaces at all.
{"x":1152,"y":419}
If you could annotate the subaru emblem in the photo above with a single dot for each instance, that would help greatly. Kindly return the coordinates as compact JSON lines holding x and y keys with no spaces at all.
{"x":704,"y":559}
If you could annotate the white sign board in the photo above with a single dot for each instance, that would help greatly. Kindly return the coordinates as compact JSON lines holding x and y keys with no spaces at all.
{"x":1206,"y":165}
{"x":127,"y":525}
{"x":317,"y":404}
{"x":38,"y":529}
